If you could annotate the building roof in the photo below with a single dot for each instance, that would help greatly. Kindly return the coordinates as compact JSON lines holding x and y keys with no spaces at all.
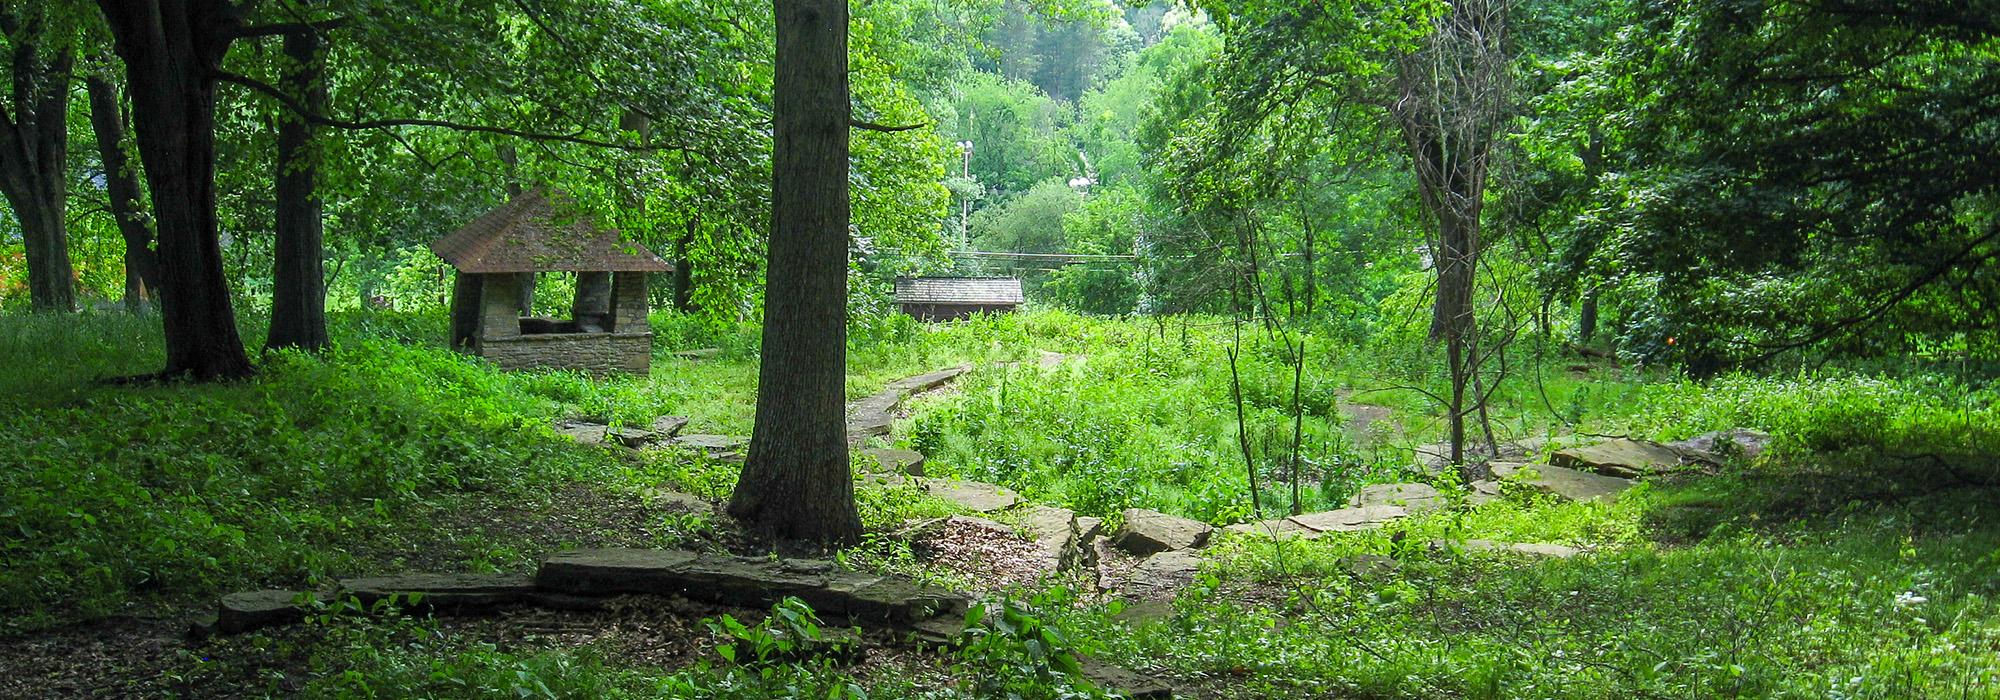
{"x":537,"y":232}
{"x":958,"y":290}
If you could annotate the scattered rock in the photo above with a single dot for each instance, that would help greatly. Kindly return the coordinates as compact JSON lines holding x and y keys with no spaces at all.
{"x":1149,"y":531}
{"x":666,"y":427}
{"x":976,"y":496}
{"x":1620,"y":457}
{"x":1415,"y":498}
{"x":1567,"y":483}
{"x":698,"y":353}
{"x":1350,"y":519}
{"x":1716,"y":446}
{"x":898,"y":461}
{"x":252,"y":610}
{"x":441,"y":591}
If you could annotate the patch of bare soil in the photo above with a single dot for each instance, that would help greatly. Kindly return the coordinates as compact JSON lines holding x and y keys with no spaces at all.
{"x":110,"y":658}
{"x":990,"y":555}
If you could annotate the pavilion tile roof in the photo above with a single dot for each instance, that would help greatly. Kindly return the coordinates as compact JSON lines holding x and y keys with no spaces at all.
{"x":539,"y":232}
{"x":958,"y":290}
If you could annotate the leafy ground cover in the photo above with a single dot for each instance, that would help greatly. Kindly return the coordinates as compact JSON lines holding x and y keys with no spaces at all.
{"x":1856,"y":560}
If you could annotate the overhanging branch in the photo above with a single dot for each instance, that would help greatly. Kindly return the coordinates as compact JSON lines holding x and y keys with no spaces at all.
{"x":282,"y":28}
{"x":871,"y":126}
{"x":318,"y":119}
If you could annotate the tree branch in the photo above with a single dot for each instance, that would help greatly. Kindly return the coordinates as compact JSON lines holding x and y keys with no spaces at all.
{"x":361,"y":125}
{"x":281,"y":28}
{"x":871,"y":126}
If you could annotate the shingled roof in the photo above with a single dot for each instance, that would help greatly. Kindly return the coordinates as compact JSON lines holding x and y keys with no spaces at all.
{"x":958,"y":290}
{"x":536,"y":232}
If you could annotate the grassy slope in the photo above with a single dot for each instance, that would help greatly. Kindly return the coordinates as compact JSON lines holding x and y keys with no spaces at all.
{"x":1800,"y":577}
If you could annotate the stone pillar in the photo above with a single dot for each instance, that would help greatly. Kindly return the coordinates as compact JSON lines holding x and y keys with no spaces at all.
{"x":592,"y":308}
{"x":498,"y":316}
{"x":466,"y":291}
{"x":628,"y":296}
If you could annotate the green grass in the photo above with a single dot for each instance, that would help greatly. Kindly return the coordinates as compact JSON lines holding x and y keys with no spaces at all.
{"x":1856,"y":561}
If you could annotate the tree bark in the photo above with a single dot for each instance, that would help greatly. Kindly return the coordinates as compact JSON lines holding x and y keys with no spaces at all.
{"x":34,"y":152}
{"x":1586,"y":317}
{"x":684,"y":270}
{"x":172,"y":49}
{"x":298,"y":272}
{"x":121,"y":184}
{"x":797,"y":482}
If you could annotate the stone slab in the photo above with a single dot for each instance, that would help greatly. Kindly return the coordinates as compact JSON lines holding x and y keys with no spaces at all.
{"x":254,"y":610}
{"x":582,"y":433}
{"x":1716,"y":446}
{"x":1567,"y":483}
{"x":744,"y":581}
{"x":1413,"y":497}
{"x":666,"y":427}
{"x":1278,"y":529}
{"x":1350,"y":519}
{"x":1089,"y":528}
{"x":1483,"y":492}
{"x":612,"y":571}
{"x":714,"y":444}
{"x":1150,"y":531}
{"x":441,"y":591}
{"x":1621,"y":457}
{"x":1058,"y":537}
{"x":630,"y":437}
{"x":1536,"y":549}
{"x":928,"y":381}
{"x":976,"y":496}
{"x":1164,"y":573}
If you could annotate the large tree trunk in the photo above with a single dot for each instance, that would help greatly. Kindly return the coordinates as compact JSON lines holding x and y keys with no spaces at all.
{"x":298,"y":273}
{"x":172,"y":49}
{"x":1586,"y":317}
{"x":796,"y":483}
{"x":121,"y":183}
{"x":684,"y":269}
{"x":34,"y":152}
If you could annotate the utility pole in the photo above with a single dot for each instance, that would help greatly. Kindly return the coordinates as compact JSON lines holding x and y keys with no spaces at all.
{"x":965,"y":200}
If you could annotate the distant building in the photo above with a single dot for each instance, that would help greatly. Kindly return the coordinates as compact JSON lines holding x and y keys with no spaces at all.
{"x":540,"y":232}
{"x":953,"y":298}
